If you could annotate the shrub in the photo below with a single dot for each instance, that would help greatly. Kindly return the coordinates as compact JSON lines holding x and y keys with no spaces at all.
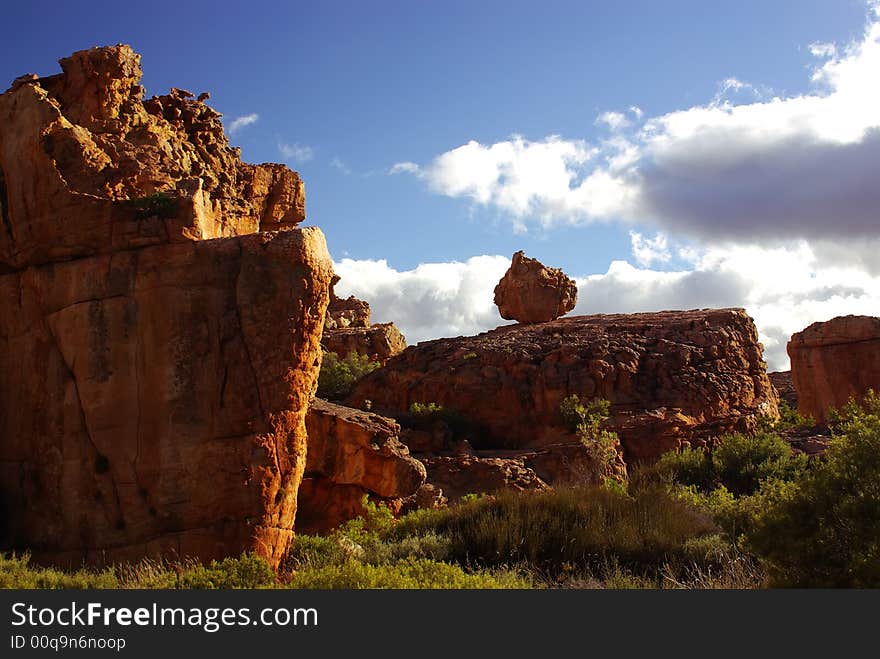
{"x":426,"y":409}
{"x":16,"y":572}
{"x":738,"y":462}
{"x":338,"y":376}
{"x":825,"y":531}
{"x":587,"y":420}
{"x":248,"y":571}
{"x":158,"y":204}
{"x":408,"y":573}
{"x":585,"y":527}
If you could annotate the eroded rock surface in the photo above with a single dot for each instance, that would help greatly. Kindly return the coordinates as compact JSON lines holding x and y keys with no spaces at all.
{"x":530,"y":292}
{"x":352,"y":453}
{"x":834,"y":361}
{"x":348,"y":330}
{"x":88,"y":167}
{"x":672,"y":377}
{"x":153,"y":386}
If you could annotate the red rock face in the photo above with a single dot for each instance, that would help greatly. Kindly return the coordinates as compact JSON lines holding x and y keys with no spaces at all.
{"x":153,"y":386}
{"x":351,"y":453}
{"x":530,"y":292}
{"x":80,"y":152}
{"x":834,"y":361}
{"x":672,"y":377}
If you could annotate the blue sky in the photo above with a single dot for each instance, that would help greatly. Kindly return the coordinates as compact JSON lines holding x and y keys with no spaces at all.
{"x":547,"y":95}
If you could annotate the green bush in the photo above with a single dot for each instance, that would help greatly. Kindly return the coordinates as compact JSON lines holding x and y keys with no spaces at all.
{"x":16,"y":572}
{"x":338,"y":376}
{"x":409,"y":573}
{"x":738,"y":462}
{"x":158,"y":204}
{"x":825,"y":531}
{"x":584,"y":527}
{"x":587,"y":419}
{"x":248,"y":571}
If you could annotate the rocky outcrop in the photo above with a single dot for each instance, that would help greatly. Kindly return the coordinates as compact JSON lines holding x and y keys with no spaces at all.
{"x":88,"y":167}
{"x":379,"y":342}
{"x":457,"y":476}
{"x":784,"y":385}
{"x":672,"y":377}
{"x":530,"y":292}
{"x":351,"y":453}
{"x":349,"y":312}
{"x":153,"y":386}
{"x":834,"y":361}
{"x":348,"y":330}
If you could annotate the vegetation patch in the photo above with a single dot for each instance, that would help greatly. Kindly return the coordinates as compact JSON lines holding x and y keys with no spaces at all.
{"x":338,"y":376}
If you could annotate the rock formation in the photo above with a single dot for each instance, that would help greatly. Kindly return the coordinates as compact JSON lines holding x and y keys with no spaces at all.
{"x":784,"y":386}
{"x":351,"y":453}
{"x":834,"y":361}
{"x":347,"y":330}
{"x":529,"y":292}
{"x":153,"y":385}
{"x":672,"y":377}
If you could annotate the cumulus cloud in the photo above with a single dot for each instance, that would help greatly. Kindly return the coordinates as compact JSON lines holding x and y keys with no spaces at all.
{"x":648,"y":251}
{"x":430,"y":301}
{"x":240,"y":122}
{"x":783,"y":289}
{"x":767,"y":169}
{"x":298,"y":153}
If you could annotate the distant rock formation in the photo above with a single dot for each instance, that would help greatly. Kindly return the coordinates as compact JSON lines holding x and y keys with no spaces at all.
{"x":672,"y":377}
{"x":153,"y":385}
{"x":784,"y":386}
{"x":347,"y":330}
{"x":833,"y":361}
{"x":530,"y":292}
{"x":352,"y":453}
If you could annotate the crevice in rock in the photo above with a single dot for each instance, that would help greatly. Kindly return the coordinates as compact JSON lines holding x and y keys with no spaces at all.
{"x":82,"y":413}
{"x":4,"y":208}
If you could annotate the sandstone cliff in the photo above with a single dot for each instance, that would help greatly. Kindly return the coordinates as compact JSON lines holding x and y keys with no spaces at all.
{"x":153,"y":386}
{"x":672,"y":377}
{"x":834,"y":361}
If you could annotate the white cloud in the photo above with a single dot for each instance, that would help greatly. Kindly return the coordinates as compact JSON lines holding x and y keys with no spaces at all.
{"x":783,"y":289}
{"x":648,"y":251}
{"x":338,"y":163}
{"x":430,"y":301}
{"x":298,"y":153}
{"x":614,"y":120}
{"x":240,"y":122}
{"x":776,"y":169}
{"x":405,"y":167}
